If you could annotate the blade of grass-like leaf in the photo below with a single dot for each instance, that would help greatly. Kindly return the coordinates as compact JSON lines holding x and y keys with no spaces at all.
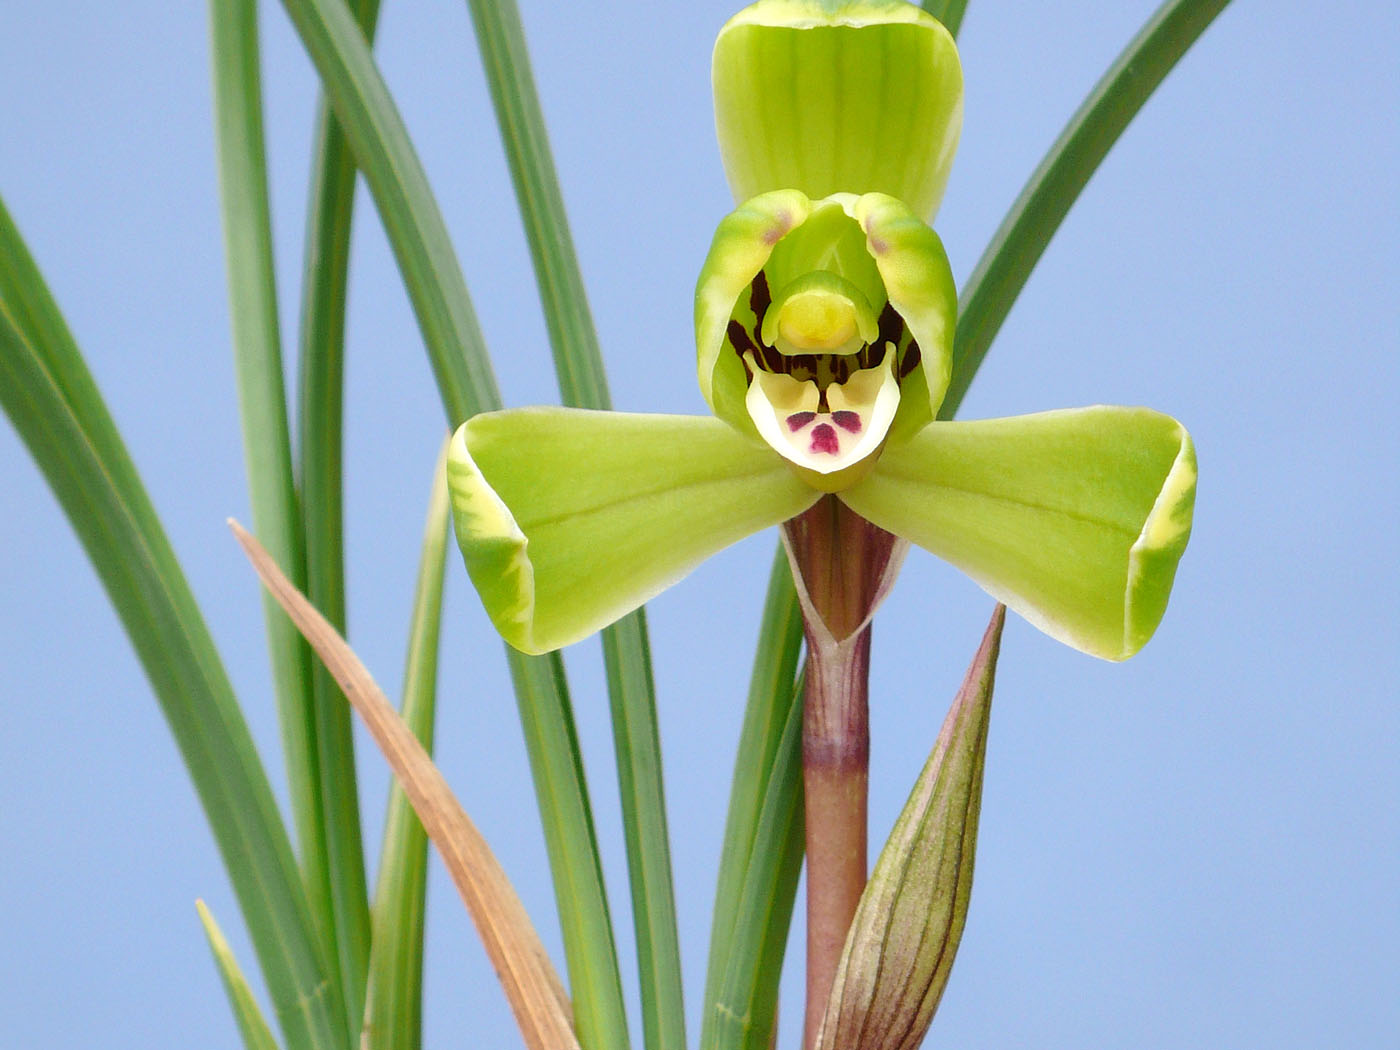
{"x":584,"y":918}
{"x":582,"y":384}
{"x":501,"y":40}
{"x":949,"y":12}
{"x":536,"y":995}
{"x":1056,"y":183}
{"x":256,"y":1034}
{"x":746,"y":1008}
{"x":394,"y":1003}
{"x":435,"y":286}
{"x":332,"y":872}
{"x":761,"y":751}
{"x":51,"y":399}
{"x":325,"y":273}
{"x":385,"y":156}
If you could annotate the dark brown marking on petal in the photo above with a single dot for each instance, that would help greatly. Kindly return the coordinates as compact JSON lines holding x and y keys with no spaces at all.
{"x":910,"y":362}
{"x":760,"y":299}
{"x":891,"y":325}
{"x":798,"y":420}
{"x":740,"y":339}
{"x":824,"y":439}
{"x":847,"y":421}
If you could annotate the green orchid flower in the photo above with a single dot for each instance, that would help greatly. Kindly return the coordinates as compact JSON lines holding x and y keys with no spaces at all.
{"x":824,"y":322}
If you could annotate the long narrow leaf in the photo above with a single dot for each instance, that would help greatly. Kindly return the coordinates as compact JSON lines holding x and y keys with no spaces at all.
{"x":251,"y":1025}
{"x":325,"y":274}
{"x":385,"y":156}
{"x":746,"y":1008}
{"x":583,"y":384}
{"x":1057,"y":181}
{"x":324,"y":802}
{"x":762,"y":749}
{"x":533,"y":988}
{"x":949,"y":12}
{"x":435,"y":286}
{"x":394,"y":1005}
{"x":50,"y":397}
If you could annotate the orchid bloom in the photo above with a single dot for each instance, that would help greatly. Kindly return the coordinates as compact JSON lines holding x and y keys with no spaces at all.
{"x":824,"y":322}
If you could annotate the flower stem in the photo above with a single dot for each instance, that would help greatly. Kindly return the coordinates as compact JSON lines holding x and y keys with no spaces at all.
{"x":835,"y":774}
{"x":843,"y":566}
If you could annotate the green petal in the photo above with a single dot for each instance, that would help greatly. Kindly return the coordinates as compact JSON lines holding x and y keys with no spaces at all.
{"x":1075,"y":519}
{"x":569,"y":519}
{"x":743,"y":241}
{"x":827,"y":96}
{"x":866,"y":251}
{"x":919,"y":282}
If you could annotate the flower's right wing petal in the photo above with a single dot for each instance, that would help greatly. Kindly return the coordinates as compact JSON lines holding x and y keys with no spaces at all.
{"x":1075,"y":519}
{"x":570,"y":519}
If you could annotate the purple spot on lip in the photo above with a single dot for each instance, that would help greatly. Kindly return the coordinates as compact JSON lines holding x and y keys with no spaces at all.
{"x":824,"y":439}
{"x":847,"y":421}
{"x":798,"y":420}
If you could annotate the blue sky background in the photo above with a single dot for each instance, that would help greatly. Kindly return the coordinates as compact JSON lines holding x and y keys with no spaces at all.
{"x":1198,"y":848}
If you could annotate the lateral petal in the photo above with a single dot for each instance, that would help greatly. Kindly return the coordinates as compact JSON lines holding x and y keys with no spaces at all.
{"x":569,"y":519}
{"x":1075,"y":519}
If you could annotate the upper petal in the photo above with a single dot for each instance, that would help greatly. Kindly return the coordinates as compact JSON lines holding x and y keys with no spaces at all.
{"x":569,"y":519}
{"x":1075,"y":519}
{"x":827,"y":96}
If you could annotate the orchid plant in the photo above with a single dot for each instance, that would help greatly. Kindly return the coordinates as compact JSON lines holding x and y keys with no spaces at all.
{"x":832,"y":349}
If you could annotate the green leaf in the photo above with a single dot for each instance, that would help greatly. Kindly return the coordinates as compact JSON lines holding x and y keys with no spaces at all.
{"x":320,"y":393}
{"x":1075,"y":519}
{"x":949,"y":12}
{"x":50,"y":397}
{"x":256,"y":1034}
{"x":331,"y":863}
{"x":582,"y":384}
{"x":906,"y":929}
{"x":394,"y":999}
{"x":806,"y":98}
{"x":745,"y":1010}
{"x":577,"y":360}
{"x":1057,"y":181}
{"x":569,"y":519}
{"x":431,"y":273}
{"x":774,"y":693}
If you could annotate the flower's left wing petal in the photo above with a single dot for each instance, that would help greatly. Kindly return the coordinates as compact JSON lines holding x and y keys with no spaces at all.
{"x":1075,"y":519}
{"x":569,"y":519}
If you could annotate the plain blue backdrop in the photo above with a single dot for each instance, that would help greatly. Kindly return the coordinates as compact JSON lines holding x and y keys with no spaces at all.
{"x":1198,"y":848}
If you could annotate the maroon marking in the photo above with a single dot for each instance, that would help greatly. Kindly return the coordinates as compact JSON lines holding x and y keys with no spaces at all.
{"x":891,"y":326}
{"x":824,"y":439}
{"x":759,"y":300}
{"x":798,"y":420}
{"x":847,"y":421}
{"x":911,"y":360}
{"x":739,"y":339}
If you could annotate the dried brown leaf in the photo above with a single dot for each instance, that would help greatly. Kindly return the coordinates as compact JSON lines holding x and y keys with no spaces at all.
{"x":537,"y":996}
